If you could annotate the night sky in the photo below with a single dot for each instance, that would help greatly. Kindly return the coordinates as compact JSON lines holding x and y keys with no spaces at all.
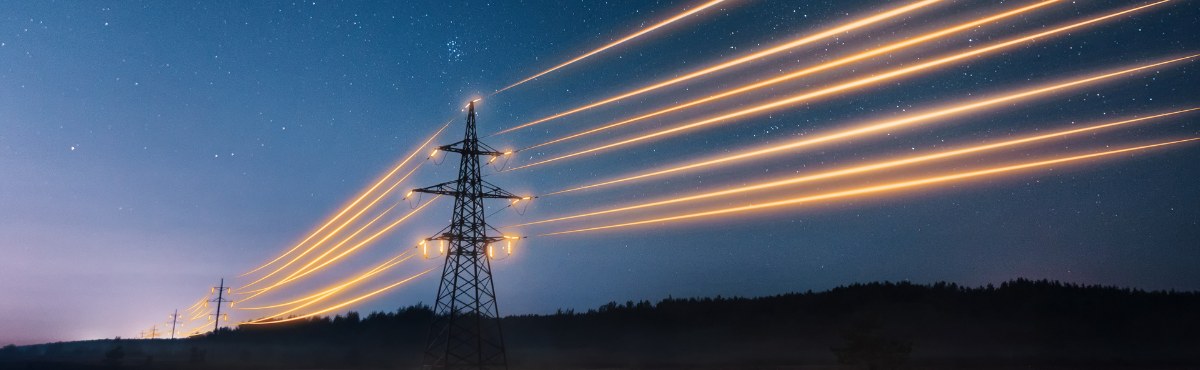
{"x":148,"y":149}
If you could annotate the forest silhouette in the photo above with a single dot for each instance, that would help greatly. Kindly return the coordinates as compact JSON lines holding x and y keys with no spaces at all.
{"x":1017,"y":324}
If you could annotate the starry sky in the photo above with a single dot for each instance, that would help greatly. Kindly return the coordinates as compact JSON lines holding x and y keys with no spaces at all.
{"x":149,"y":149}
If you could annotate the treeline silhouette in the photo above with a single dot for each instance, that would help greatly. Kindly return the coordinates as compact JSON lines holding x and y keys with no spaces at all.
{"x":1018,"y":324}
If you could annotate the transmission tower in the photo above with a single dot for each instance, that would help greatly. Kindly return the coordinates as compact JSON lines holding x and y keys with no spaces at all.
{"x":174,"y":322}
{"x":465,"y":333}
{"x":220,"y":290}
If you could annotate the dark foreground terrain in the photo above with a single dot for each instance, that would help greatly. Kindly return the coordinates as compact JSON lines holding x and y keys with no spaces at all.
{"x":1018,"y":325}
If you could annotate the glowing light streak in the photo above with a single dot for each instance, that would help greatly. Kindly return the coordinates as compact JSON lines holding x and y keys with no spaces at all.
{"x":346,"y":252}
{"x":622,"y":40}
{"x":197,"y":304}
{"x":337,"y":246}
{"x":897,"y":123}
{"x":744,"y":59}
{"x":807,"y":71}
{"x":199,"y":315}
{"x":335,"y":231}
{"x":405,"y":256}
{"x":878,"y":188}
{"x":200,"y":304}
{"x":900,"y":72}
{"x":347,"y":208}
{"x":340,"y":305}
{"x":862,"y":169}
{"x":200,"y":329}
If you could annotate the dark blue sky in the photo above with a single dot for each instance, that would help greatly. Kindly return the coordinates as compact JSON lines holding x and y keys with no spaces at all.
{"x":148,"y":149}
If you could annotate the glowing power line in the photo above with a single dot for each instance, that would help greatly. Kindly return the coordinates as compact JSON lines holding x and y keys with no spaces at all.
{"x":632,"y":36}
{"x":264,"y":321}
{"x":316,"y":297}
{"x":355,"y":202}
{"x":744,"y":59}
{"x":807,"y":71}
{"x":338,"y":229}
{"x":366,"y":241}
{"x":877,"y":127}
{"x":895,"y":73}
{"x":862,"y":168}
{"x":877,"y":188}
{"x":347,"y":238}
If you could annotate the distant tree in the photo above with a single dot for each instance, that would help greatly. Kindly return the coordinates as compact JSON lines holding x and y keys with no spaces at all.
{"x":9,"y":350}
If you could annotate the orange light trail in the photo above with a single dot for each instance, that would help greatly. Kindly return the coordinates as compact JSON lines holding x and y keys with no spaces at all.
{"x":197,"y":305}
{"x":355,"y":202}
{"x":347,"y":222}
{"x":897,"y":123}
{"x":632,"y":36}
{"x":344,"y":253}
{"x":198,"y":302}
{"x":807,"y":71}
{"x":340,"y":305}
{"x":900,"y":72}
{"x":744,"y":59}
{"x":348,"y":238}
{"x":864,"y":168}
{"x":201,"y":314}
{"x":200,"y":329}
{"x":405,"y":256}
{"x":880,"y":188}
{"x":336,"y":246}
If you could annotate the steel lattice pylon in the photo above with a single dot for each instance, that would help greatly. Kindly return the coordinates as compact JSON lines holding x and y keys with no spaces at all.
{"x":466,"y":329}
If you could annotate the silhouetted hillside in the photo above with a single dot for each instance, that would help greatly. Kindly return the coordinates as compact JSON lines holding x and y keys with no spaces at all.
{"x":1019,"y":324}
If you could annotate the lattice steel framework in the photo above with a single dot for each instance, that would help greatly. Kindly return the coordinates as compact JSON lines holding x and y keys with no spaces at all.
{"x":466,"y":330}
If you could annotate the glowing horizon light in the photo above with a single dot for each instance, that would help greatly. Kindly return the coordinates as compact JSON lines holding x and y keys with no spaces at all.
{"x":876,"y":188}
{"x":744,"y":59}
{"x":804,"y":72}
{"x":876,"y":127}
{"x":622,"y":40}
{"x":866,"y":81}
{"x":355,"y":202}
{"x":853,"y":170}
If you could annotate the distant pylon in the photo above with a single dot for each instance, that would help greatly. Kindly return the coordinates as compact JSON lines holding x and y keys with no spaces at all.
{"x":174,"y":321}
{"x":466,"y":333}
{"x":220,"y":290}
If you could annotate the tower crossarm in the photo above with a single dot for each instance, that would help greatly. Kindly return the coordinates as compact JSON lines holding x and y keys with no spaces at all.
{"x":477,"y":240}
{"x":450,"y":188}
{"x":483,"y":150}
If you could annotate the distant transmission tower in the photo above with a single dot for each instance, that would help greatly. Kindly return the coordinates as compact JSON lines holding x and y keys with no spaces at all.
{"x":174,"y":322}
{"x":465,"y":333}
{"x":220,"y":290}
